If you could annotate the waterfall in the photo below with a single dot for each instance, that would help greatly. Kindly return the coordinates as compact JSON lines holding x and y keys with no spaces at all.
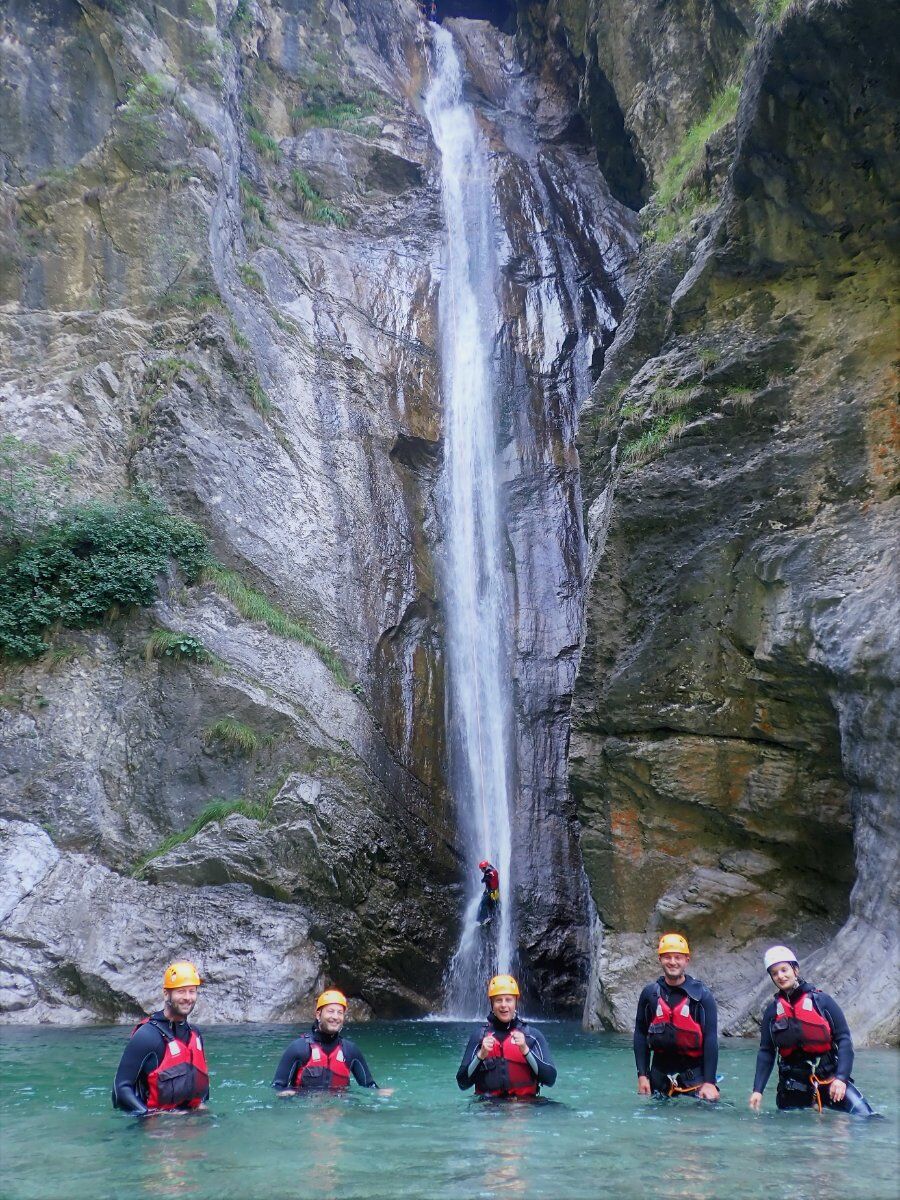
{"x":474,"y":584}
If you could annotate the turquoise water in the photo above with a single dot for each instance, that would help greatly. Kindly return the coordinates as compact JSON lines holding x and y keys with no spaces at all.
{"x":59,"y":1137}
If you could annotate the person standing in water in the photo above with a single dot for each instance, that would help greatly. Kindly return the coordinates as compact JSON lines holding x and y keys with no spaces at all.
{"x":676,"y":1043}
{"x":324,"y":1059}
{"x":163,"y":1068}
{"x":505,"y":1059}
{"x":810,"y":1035}
{"x":490,"y":877}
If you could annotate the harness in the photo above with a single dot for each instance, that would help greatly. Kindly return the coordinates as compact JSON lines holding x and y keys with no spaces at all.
{"x":324,"y":1068}
{"x":673,"y":1029}
{"x":506,"y":1073}
{"x":182,"y":1078}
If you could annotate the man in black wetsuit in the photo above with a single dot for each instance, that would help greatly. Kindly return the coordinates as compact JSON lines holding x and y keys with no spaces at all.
{"x":163,"y":1068}
{"x":505,"y":1059}
{"x":676,"y":1042}
{"x":807,"y":1029}
{"x":323,"y":1058}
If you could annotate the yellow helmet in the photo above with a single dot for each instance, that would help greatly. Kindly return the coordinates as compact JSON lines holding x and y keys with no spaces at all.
{"x":673,"y":943}
{"x":331,"y":996}
{"x":503,"y":985}
{"x":181,"y":974}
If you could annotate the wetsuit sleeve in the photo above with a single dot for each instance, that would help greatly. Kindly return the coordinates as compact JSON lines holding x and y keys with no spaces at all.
{"x":641,"y":1025}
{"x":144,"y":1052}
{"x":296,"y":1055}
{"x":765,"y":1058}
{"x":840,"y":1031}
{"x":710,"y":1036}
{"x":463,"y":1077}
{"x":358,"y":1065}
{"x":546,"y":1069}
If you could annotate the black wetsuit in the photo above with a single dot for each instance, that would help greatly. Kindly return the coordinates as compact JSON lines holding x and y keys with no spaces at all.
{"x":795,"y":1087}
{"x":658,"y":1066}
{"x":143,"y":1054}
{"x":471,"y":1069}
{"x":298,"y":1053}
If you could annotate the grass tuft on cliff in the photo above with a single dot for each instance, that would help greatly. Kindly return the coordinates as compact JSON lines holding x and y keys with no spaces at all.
{"x":170,"y":643}
{"x":312,"y":205}
{"x":690,"y":152}
{"x":655,"y":440}
{"x":236,"y":735}
{"x":254,"y":606}
{"x":91,"y":560}
{"x":215,"y":811}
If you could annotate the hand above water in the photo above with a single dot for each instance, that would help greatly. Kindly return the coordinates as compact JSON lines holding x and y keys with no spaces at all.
{"x":486,"y":1047}
{"x":643,"y":1085}
{"x":708,"y":1091}
{"x":517,"y":1038}
{"x":756,"y":1101}
{"x":838,"y":1090}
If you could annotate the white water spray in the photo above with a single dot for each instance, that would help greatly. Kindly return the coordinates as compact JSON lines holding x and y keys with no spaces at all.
{"x":479,"y":706}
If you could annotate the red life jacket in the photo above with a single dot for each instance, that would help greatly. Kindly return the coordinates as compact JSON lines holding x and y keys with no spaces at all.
{"x":800,"y":1028}
{"x":506,"y":1071}
{"x":182,"y":1078}
{"x":325,"y":1069}
{"x":674,"y":1031}
{"x":492,"y":880}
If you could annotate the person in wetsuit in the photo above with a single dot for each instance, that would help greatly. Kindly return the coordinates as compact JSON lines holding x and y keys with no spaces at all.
{"x":506,"y":1059}
{"x":324,"y":1059}
{"x":810,"y":1035}
{"x":490,"y":877}
{"x":163,"y":1068}
{"x":676,"y":1043}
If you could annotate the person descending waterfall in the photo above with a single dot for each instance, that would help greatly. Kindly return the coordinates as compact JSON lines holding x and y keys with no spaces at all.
{"x":163,"y":1068}
{"x":506,"y":1060}
{"x":676,"y":1044}
{"x":812,"y":1039}
{"x":324,"y":1059}
{"x":490,"y":877}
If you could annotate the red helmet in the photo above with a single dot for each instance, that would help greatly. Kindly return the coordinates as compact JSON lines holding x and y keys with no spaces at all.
{"x":484,"y":863}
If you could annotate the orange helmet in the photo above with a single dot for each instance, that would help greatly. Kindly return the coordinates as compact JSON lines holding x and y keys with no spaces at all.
{"x":503,"y":985}
{"x":181,"y":974}
{"x":331,"y":996}
{"x":673,"y":943}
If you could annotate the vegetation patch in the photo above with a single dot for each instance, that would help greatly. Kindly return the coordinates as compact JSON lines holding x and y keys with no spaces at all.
{"x":93,"y":560}
{"x":216,"y":811}
{"x":655,"y":440}
{"x":311,"y":203}
{"x":254,"y":606}
{"x":265,"y":144}
{"x":772,"y":10}
{"x":253,"y":202}
{"x":252,"y":278}
{"x":689,"y":154}
{"x":170,"y":643}
{"x":236,"y":736}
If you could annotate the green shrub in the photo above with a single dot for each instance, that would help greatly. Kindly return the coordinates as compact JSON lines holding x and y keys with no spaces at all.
{"x":689,"y":154}
{"x":254,"y":202}
{"x":93,"y":559}
{"x":169,"y":643}
{"x":31,"y":485}
{"x":254,"y":606}
{"x":259,"y":398}
{"x":772,"y":10}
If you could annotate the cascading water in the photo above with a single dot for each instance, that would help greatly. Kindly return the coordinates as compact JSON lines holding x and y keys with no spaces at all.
{"x":479,"y":703}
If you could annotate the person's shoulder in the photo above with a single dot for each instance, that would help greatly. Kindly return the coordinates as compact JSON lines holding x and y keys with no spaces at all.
{"x":651,"y":990}
{"x":148,"y":1030}
{"x":350,"y":1048}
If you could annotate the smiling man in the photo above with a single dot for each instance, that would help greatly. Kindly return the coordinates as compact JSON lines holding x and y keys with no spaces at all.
{"x":324,"y":1059}
{"x":676,"y":1042}
{"x":506,"y":1059}
{"x":164,"y":1067}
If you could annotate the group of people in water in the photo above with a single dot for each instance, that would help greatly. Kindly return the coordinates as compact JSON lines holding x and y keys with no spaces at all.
{"x":164,"y":1069}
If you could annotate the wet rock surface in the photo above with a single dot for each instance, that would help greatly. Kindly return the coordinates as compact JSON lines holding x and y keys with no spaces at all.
{"x":735,"y":717}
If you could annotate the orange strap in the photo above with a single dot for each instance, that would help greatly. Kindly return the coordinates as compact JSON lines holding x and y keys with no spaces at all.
{"x":678,"y":1091}
{"x":817,"y":1083}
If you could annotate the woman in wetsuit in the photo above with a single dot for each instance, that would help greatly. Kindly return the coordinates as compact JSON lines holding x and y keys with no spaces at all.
{"x":808,"y":1032}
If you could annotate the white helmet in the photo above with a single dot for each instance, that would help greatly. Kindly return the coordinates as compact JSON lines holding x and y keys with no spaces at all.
{"x":778,"y":954}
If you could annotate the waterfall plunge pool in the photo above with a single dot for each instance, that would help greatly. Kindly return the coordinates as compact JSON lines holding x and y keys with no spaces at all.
{"x":59,"y":1138}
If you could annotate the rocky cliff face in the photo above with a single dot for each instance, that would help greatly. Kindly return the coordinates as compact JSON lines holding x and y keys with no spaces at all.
{"x":735,"y":716}
{"x":221,"y":252}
